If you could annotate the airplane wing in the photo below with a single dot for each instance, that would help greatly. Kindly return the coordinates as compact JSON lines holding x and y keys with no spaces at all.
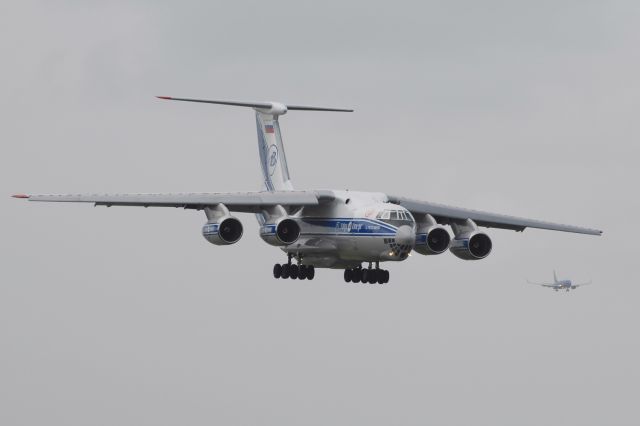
{"x":245,"y":202}
{"x":444,"y":214}
{"x":542,"y":284}
{"x":581,"y":284}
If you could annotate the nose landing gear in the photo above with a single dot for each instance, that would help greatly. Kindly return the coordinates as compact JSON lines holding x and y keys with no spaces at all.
{"x":369,"y":275}
{"x":294,"y":271}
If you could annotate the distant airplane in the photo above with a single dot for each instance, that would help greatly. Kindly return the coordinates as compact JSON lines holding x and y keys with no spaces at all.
{"x":560,"y":284}
{"x":337,"y":229}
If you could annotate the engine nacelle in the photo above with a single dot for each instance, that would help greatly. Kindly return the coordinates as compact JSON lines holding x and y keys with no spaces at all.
{"x":282,"y":232}
{"x":432,"y":240}
{"x":471,"y":246}
{"x":222,"y":231}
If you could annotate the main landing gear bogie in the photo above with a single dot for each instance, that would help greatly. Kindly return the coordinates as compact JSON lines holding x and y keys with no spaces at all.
{"x":368,"y":275}
{"x":293,"y":271}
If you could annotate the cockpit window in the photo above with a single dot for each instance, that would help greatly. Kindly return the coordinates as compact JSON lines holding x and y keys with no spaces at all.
{"x":395,"y":216}
{"x":385,"y":214}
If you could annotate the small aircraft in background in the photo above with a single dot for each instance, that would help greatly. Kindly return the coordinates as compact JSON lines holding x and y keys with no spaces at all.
{"x":557,"y":285}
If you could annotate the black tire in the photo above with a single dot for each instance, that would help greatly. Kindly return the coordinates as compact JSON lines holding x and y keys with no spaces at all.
{"x":364,"y":277}
{"x":293,"y":272}
{"x":286,"y":270}
{"x":302,"y":272}
{"x":373,"y":276}
{"x":386,"y":276}
{"x":311,"y":272}
{"x":381,"y":276}
{"x":277,"y":270}
{"x":356,"y":275}
{"x":348,"y":275}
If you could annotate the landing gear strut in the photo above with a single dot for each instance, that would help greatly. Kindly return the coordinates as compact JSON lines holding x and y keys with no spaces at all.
{"x":369,"y":275}
{"x":294,"y":271}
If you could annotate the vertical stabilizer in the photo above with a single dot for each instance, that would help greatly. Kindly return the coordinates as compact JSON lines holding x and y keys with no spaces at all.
{"x":555,"y":277}
{"x":273,"y":161}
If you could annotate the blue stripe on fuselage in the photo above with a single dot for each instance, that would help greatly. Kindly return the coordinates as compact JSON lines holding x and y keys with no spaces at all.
{"x":350,"y":226}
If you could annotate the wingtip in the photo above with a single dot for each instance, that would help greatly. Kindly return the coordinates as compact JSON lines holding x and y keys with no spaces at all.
{"x":164,"y":97}
{"x":20,"y":196}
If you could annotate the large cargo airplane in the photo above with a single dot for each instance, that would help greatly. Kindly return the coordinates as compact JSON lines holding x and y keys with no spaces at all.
{"x":327,"y":228}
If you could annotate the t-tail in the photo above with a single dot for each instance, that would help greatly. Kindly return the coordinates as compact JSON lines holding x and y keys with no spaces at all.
{"x":555,"y":277}
{"x":273,"y":161}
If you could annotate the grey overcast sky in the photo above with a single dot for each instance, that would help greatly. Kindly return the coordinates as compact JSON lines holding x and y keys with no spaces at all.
{"x":127,"y":316}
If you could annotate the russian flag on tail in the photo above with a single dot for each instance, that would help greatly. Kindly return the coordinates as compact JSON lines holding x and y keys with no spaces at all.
{"x":268,"y":128}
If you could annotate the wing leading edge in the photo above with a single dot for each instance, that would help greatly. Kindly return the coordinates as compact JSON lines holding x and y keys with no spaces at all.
{"x":447,"y":214}
{"x":249,"y":202}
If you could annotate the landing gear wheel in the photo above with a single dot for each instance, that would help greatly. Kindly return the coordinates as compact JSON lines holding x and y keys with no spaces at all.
{"x":311,"y":272}
{"x":302,"y":272}
{"x":356,"y":275}
{"x":373,"y":276}
{"x":381,"y":276}
{"x":386,"y":276}
{"x":348,"y":275}
{"x":277,"y":270}
{"x":286,"y":270}
{"x":365,"y":276}
{"x":293,"y":271}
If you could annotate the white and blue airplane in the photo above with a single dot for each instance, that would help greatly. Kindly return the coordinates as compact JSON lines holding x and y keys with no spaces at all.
{"x":338,"y":229}
{"x":558,"y":285}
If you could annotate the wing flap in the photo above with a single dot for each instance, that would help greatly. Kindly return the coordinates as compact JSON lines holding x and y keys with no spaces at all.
{"x":446,"y":214}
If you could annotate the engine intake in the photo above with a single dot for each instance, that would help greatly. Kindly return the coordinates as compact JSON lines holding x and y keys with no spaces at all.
{"x":281,"y":233}
{"x":473,"y":246}
{"x":434,"y":240}
{"x":224,"y":231}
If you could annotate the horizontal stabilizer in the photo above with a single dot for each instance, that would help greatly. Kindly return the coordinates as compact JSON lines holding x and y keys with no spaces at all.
{"x":258,"y":105}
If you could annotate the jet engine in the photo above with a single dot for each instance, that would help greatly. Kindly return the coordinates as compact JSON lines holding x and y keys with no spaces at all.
{"x":469,"y":243}
{"x":434,"y":240}
{"x":473,"y":246}
{"x":281,"y":232}
{"x":223,"y":231}
{"x":431,"y":238}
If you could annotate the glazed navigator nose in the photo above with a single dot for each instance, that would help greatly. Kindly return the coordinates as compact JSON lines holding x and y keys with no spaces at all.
{"x":405,"y":236}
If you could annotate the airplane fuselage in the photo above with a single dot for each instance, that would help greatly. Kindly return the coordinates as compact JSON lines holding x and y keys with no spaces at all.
{"x":563,"y":285}
{"x":357,"y":227}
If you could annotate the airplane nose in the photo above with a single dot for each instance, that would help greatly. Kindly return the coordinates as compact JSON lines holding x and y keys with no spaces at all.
{"x":405,"y":236}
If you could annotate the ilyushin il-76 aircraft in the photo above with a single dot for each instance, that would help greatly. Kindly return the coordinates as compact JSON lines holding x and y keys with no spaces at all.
{"x":337,"y":229}
{"x":560,"y":284}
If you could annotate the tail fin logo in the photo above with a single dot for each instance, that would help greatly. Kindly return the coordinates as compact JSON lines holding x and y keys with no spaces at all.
{"x":272,"y":158}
